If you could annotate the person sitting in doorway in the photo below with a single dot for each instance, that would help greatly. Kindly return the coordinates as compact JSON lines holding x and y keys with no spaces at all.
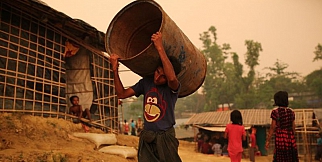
{"x":78,"y":110}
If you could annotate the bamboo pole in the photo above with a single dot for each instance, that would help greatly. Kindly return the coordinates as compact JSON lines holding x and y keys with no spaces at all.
{"x":96,"y":84}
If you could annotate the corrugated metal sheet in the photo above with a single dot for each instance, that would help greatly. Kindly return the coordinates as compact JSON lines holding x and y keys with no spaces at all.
{"x":218,"y":129}
{"x":260,"y":117}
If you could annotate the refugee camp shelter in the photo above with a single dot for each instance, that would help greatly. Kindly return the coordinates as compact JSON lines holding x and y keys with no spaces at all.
{"x":306,"y":121}
{"x":47,"y":57}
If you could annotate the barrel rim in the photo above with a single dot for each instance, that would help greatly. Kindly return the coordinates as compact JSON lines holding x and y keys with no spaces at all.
{"x":164,"y":18}
{"x":124,"y":9}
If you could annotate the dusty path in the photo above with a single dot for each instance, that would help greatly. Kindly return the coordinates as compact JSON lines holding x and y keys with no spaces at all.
{"x":25,"y":138}
{"x":187,"y":154}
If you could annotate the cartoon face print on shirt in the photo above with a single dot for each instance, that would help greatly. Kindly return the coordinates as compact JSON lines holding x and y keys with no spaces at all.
{"x":154,"y":106}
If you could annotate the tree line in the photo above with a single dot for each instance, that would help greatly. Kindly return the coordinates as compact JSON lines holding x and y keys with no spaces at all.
{"x":230,"y":83}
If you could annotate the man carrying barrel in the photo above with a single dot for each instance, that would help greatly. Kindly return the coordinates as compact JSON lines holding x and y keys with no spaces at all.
{"x":157,"y":139}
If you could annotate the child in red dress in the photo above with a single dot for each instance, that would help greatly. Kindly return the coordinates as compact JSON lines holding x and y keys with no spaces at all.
{"x":235,"y":132}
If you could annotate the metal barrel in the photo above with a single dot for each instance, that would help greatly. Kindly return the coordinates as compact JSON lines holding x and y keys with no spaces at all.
{"x":129,"y":36}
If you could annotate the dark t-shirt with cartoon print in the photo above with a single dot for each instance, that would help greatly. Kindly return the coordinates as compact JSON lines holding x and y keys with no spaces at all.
{"x":158,"y":104}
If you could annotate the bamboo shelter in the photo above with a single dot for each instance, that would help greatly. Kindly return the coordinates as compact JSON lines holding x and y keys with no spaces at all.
{"x":46,"y":57}
{"x":307,"y":129}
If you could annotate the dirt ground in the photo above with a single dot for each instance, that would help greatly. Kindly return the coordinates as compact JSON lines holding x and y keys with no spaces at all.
{"x":26,"y":138}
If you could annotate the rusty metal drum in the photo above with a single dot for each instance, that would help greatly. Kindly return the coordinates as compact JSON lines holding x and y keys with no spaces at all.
{"x":129,"y":36}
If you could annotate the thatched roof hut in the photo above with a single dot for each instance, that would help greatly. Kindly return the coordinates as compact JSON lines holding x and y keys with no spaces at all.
{"x":46,"y":57}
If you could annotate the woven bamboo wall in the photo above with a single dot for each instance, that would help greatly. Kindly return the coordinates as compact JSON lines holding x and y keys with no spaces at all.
{"x":33,"y":73}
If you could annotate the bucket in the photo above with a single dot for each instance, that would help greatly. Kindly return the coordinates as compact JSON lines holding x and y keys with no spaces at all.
{"x":129,"y":36}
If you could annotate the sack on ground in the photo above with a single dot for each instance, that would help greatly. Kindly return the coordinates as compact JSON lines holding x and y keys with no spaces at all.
{"x":98,"y":139}
{"x":125,"y":151}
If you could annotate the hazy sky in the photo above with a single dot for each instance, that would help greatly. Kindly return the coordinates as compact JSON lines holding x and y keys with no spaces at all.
{"x":289,"y":30}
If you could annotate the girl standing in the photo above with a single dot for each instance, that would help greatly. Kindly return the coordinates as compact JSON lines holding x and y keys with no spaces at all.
{"x":283,"y":124}
{"x":235,"y":132}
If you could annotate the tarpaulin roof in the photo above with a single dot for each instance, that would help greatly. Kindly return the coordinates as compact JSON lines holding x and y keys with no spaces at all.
{"x":77,"y":29}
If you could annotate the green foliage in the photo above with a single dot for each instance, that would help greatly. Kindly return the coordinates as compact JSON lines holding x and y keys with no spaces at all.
{"x":318,"y":52}
{"x":280,"y":79}
{"x":314,"y":82}
{"x":215,"y":63}
{"x":252,"y":54}
{"x":226,"y":81}
{"x":279,"y":69}
{"x":132,"y":108}
{"x":265,"y":96}
{"x":193,"y":103}
{"x":298,"y":103}
{"x":246,"y":100}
